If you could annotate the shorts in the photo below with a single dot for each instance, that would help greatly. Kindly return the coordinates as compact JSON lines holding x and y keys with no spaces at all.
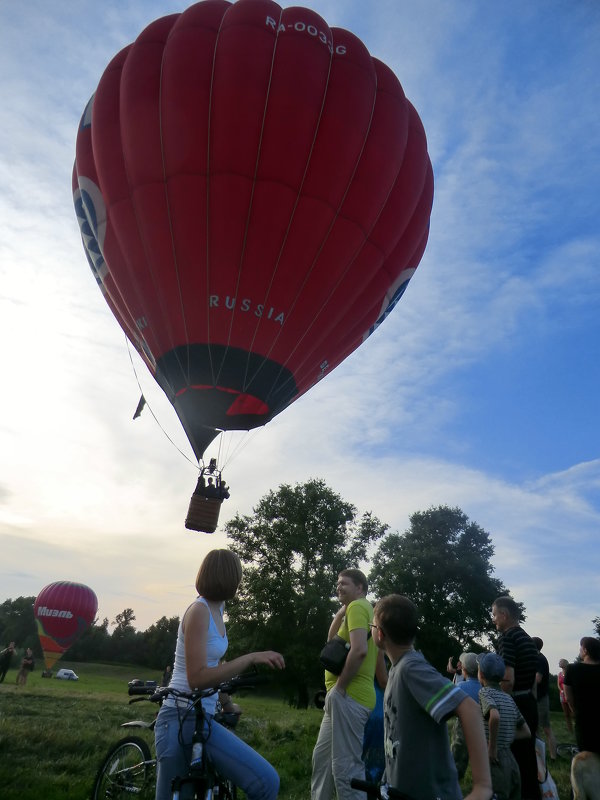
{"x":506,"y":779}
{"x":544,"y":712}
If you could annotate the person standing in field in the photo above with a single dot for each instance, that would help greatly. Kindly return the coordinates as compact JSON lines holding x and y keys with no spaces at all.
{"x":27,"y":664}
{"x":542,"y":678}
{"x":560,"y":680}
{"x":350,"y":698}
{"x":582,"y":688}
{"x":5,"y":657}
{"x":418,"y":702}
{"x":520,"y":656}
{"x":470,"y":686}
{"x":503,"y":724}
{"x":201,"y":645}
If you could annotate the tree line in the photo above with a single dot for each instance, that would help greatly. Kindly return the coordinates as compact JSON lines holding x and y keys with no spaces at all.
{"x":151,"y":648}
{"x":293,"y":546}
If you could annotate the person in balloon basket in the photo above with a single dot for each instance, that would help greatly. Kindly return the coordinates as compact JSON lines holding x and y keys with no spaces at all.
{"x":201,"y":644}
{"x":418,"y":702}
{"x":350,"y":698}
{"x":27,"y":664}
{"x":5,"y":658}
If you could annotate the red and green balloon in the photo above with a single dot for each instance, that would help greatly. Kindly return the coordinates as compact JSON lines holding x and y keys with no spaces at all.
{"x":254,"y":193}
{"x":62,"y":611}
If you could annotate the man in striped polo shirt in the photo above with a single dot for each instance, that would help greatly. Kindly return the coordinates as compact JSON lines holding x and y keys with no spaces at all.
{"x":520,"y":656}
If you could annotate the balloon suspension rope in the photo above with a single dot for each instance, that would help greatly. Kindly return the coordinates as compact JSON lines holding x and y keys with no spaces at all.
{"x":229,"y":457}
{"x":187,"y":458}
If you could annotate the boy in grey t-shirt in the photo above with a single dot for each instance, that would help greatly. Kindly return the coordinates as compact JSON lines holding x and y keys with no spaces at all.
{"x":417,"y":703}
{"x":503,"y":723}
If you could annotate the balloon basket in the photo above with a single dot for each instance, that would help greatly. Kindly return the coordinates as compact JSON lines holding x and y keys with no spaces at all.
{"x":203,"y":513}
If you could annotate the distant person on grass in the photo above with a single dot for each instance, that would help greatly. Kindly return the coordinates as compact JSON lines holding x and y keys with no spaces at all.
{"x":5,"y":658}
{"x":27,"y":664}
{"x":560,"y":680}
{"x":503,"y":724}
{"x":418,"y":702}
{"x":456,"y":671}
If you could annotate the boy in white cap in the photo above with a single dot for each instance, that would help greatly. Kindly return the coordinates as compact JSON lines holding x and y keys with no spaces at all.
{"x":418,"y":702}
{"x":503,"y":723}
{"x":471,"y":686}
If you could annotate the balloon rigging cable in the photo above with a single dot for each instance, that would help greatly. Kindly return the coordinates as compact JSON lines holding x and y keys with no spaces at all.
{"x":229,"y":456}
{"x":187,"y":458}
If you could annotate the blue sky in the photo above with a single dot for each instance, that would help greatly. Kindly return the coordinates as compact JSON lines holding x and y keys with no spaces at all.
{"x":479,"y":391}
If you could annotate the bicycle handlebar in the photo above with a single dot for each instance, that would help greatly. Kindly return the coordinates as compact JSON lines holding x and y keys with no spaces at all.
{"x":245,"y":681}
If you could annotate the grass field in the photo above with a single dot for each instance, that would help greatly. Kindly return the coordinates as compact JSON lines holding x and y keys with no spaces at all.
{"x":54,"y":734}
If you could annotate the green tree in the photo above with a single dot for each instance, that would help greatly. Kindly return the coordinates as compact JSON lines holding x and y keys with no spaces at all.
{"x":93,"y":644}
{"x":123,"y":622}
{"x":443,"y":563}
{"x":124,"y":641}
{"x":17,"y":624}
{"x":159,"y":643}
{"x":596,"y":624}
{"x":293,"y":547}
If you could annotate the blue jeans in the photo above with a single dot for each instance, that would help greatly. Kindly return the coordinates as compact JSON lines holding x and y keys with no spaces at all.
{"x":232,"y":757}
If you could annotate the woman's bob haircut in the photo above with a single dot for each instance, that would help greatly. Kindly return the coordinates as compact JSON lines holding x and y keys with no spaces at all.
{"x":219,"y":575}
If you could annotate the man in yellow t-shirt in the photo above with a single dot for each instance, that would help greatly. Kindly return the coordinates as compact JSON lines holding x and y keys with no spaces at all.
{"x":350,"y":695}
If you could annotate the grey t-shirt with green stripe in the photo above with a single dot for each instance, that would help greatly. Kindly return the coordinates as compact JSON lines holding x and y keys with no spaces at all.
{"x":417,"y":703}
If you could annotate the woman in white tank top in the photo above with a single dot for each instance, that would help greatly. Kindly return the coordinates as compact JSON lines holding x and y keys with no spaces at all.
{"x":201,"y":644}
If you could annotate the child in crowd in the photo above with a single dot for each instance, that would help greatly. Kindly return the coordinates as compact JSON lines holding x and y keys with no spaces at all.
{"x":418,"y":702}
{"x":503,"y":723}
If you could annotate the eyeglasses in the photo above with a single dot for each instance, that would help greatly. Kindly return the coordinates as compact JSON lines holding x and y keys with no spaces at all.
{"x":372,"y":625}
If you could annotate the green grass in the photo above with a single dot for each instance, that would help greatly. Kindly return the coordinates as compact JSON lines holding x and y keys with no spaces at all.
{"x":54,"y":734}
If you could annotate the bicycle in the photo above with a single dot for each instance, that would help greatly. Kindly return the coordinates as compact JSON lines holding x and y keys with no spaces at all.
{"x":566,"y":750}
{"x":129,"y":768}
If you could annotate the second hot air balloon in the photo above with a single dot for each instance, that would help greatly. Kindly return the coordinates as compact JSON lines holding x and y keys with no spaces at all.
{"x":63,"y":610}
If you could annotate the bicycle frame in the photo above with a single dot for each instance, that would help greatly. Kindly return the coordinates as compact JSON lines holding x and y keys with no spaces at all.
{"x":128,"y":767}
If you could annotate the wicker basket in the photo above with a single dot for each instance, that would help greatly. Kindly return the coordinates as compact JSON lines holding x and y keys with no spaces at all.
{"x":203,"y":513}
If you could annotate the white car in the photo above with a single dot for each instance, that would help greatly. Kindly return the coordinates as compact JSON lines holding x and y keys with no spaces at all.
{"x":67,"y":675}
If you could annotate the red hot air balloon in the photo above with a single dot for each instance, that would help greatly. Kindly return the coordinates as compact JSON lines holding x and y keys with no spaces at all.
{"x":63,"y":611}
{"x":254,"y":194}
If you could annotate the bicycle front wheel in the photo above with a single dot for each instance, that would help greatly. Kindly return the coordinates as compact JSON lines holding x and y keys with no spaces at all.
{"x":125,"y":772}
{"x":566,"y":749}
{"x":227,"y":790}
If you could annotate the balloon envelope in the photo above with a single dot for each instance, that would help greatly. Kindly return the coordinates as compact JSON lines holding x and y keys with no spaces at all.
{"x":254,"y":194}
{"x":63,"y":610}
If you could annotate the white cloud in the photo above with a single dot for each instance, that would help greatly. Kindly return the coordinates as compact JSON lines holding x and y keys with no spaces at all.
{"x":513,"y":132}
